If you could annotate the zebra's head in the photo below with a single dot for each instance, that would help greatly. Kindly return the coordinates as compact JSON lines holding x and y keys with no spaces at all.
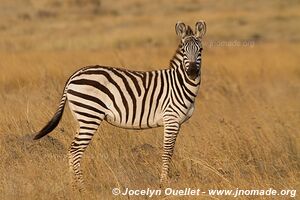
{"x":191,"y":47}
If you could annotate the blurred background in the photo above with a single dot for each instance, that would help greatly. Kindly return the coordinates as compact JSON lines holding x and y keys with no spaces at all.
{"x":243,"y":134}
{"x":99,"y":24}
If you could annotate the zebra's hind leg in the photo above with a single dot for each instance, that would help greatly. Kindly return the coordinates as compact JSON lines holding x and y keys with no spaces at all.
{"x":77,"y":148}
{"x":171,"y":129}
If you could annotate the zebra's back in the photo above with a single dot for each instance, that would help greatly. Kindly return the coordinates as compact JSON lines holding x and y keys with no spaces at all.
{"x":127,"y":99}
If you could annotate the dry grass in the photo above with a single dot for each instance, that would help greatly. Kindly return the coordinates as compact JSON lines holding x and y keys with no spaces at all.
{"x":245,"y":129}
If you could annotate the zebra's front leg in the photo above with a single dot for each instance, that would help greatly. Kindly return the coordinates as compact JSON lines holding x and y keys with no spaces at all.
{"x":76,"y":150}
{"x":171,"y":129}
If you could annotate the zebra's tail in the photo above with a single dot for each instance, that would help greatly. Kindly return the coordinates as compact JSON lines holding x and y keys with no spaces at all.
{"x":55,"y":119}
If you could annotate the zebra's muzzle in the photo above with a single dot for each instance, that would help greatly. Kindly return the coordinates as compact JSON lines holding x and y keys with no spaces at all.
{"x":193,"y":71}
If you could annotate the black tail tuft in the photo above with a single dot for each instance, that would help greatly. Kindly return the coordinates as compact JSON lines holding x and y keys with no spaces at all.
{"x":50,"y":126}
{"x":54,"y":121}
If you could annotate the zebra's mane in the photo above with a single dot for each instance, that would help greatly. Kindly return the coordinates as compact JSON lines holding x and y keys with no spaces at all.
{"x":174,"y":57}
{"x":189,"y":31}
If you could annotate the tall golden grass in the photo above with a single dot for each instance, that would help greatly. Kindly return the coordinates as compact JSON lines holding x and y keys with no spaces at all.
{"x":244,"y":132}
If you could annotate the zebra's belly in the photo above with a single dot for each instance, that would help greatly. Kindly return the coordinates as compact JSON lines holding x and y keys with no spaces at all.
{"x":136,"y":125}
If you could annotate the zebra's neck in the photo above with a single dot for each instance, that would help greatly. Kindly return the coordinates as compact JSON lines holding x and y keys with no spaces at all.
{"x":177,"y":59}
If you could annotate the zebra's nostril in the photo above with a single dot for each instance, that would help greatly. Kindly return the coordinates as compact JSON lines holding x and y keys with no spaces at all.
{"x":192,"y":65}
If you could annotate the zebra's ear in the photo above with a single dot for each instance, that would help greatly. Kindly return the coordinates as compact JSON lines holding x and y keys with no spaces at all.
{"x":180,"y":29}
{"x":200,"y":28}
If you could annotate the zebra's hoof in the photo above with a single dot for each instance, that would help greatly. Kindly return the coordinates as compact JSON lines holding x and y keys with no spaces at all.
{"x":164,"y":182}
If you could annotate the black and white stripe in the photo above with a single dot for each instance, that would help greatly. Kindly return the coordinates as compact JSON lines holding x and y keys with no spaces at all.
{"x":134,"y":99}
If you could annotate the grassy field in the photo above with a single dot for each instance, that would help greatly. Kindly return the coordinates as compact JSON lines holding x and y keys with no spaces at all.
{"x":244,"y":132}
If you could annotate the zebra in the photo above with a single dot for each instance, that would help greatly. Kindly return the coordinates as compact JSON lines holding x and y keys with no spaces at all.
{"x":133,"y":99}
